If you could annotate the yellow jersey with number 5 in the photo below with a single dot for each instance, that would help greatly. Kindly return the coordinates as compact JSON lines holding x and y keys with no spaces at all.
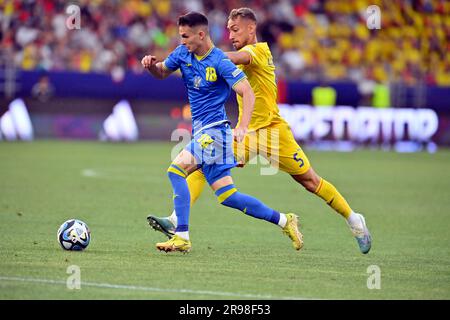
{"x":261,"y":75}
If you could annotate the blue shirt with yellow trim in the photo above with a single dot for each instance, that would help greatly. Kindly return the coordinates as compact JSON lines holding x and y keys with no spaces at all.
{"x":208,"y":80}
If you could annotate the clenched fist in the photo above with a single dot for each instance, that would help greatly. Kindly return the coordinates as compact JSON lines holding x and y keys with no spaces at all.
{"x":239,"y":133}
{"x":148,"y":61}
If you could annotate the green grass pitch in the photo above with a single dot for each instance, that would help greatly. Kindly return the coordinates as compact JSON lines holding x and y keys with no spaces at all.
{"x":113,"y":187}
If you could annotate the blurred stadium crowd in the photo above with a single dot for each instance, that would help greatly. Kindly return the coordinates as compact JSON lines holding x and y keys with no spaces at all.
{"x":310,"y":39}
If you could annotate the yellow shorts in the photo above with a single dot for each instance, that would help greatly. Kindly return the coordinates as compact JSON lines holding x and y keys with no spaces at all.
{"x":276,"y":143}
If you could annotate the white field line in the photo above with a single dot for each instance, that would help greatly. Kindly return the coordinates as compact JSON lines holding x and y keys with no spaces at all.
{"x":89,"y":173}
{"x":152,"y":289}
{"x":118,"y":175}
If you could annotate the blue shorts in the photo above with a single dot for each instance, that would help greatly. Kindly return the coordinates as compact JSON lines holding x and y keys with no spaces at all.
{"x":213,"y":151}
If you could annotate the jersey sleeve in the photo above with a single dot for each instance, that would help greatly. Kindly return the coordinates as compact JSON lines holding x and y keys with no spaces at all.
{"x":229,"y":72}
{"x":256,"y":54}
{"x":173,"y":61}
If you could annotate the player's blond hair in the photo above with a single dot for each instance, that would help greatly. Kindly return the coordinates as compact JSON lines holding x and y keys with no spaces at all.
{"x":245,"y":13}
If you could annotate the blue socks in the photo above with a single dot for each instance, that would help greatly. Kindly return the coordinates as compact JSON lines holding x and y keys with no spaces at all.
{"x":181,"y":196}
{"x":230,"y":197}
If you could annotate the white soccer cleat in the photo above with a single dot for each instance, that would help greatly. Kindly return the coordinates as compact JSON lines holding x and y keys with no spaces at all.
{"x":362,"y":234}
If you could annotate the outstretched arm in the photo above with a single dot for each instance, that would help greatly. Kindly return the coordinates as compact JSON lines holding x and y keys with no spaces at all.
{"x":244,"y":89}
{"x":155,"y":68}
{"x":240,"y":57}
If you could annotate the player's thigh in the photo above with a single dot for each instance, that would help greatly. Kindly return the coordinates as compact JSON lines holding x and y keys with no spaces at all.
{"x":222,"y":182}
{"x":293,"y":159}
{"x":198,"y":151}
{"x":247,"y":149}
{"x":215,"y":149}
{"x":186,"y":161}
{"x":284,"y":151}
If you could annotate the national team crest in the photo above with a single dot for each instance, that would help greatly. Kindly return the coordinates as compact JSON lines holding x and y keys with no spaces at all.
{"x":197,"y":81}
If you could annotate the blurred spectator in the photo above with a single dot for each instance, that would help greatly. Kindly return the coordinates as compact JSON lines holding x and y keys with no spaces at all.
{"x":324,"y":95}
{"x":381,"y":96}
{"x":43,"y":90}
{"x":366,"y":88}
{"x":308,"y":38}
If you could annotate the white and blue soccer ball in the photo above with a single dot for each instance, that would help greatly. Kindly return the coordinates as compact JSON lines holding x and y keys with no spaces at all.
{"x":74,"y":235}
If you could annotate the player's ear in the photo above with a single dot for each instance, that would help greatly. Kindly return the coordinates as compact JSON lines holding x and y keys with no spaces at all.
{"x":251,"y":28}
{"x":202,"y":33}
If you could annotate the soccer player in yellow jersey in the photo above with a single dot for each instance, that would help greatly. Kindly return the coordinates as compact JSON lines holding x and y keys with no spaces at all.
{"x":267,"y":128}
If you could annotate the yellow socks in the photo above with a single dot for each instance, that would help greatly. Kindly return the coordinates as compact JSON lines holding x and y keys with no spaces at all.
{"x":333,"y":198}
{"x":196,"y":182}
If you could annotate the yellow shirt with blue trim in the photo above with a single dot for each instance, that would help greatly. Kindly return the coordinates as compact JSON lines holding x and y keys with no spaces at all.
{"x":261,"y":75}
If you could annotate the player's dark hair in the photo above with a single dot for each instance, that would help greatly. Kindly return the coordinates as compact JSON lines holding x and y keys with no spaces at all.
{"x":245,"y":13}
{"x":193,"y":19}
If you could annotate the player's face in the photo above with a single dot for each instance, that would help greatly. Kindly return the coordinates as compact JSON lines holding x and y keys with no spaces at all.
{"x":190,"y":37}
{"x":240,"y":32}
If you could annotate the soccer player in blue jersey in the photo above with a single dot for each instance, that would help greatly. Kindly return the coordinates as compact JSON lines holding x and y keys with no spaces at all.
{"x":209,"y":77}
{"x":255,"y":59}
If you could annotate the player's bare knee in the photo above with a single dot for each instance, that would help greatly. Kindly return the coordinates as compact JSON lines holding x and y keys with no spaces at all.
{"x":309,"y":182}
{"x":310,"y":185}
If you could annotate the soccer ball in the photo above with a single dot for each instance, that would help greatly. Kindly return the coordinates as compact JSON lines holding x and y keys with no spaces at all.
{"x":74,"y":235}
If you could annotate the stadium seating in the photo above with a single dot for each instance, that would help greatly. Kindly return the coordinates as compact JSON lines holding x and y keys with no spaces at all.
{"x":310,"y":39}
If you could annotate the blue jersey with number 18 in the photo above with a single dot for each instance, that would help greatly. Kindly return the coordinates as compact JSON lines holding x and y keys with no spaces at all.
{"x":208,"y":80}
